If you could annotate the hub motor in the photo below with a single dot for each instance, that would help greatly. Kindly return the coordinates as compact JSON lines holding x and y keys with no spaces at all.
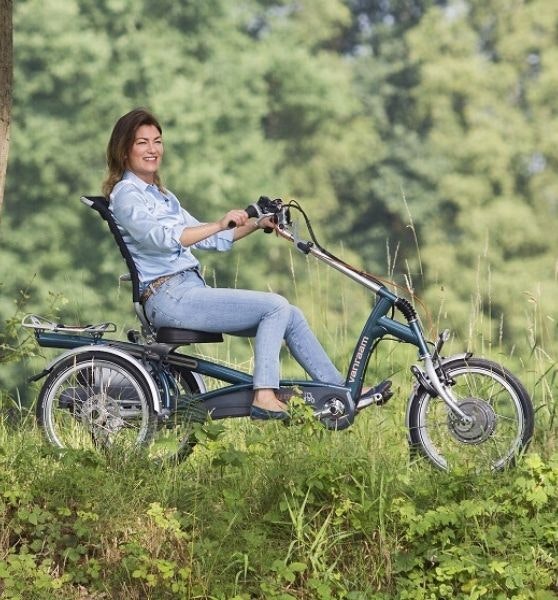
{"x":481,"y":425}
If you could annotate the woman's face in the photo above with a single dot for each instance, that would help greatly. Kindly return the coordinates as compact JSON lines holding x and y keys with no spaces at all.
{"x":146,"y":153}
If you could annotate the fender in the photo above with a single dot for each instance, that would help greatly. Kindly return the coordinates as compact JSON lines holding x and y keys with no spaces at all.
{"x":155,"y":394}
{"x":200,"y":382}
{"x":416,"y":369}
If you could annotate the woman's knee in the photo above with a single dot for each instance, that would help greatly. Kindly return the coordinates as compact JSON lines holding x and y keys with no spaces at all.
{"x":278,"y":302}
{"x":297,"y":316}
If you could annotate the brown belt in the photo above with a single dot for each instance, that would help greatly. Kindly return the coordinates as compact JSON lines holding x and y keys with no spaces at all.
{"x":154,"y":286}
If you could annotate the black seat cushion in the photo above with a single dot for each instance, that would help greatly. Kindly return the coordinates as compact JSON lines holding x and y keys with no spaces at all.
{"x":172,"y":335}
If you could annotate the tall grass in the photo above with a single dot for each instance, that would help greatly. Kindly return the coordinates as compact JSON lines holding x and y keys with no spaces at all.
{"x":267,"y":511}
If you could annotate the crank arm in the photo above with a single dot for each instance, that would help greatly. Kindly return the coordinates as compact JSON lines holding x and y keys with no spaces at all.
{"x":375,"y":399}
{"x":329,"y":411}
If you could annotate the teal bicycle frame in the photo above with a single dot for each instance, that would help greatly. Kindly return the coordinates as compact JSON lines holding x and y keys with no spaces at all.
{"x":459,"y":399}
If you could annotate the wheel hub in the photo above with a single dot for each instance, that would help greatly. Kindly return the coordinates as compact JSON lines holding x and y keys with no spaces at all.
{"x":479,"y":427}
{"x":101,"y":415}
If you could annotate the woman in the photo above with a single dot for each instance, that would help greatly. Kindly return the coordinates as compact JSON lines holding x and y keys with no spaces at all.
{"x":161,"y":234}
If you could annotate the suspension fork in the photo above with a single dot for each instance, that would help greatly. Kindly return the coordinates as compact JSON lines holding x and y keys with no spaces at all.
{"x":434,"y":382}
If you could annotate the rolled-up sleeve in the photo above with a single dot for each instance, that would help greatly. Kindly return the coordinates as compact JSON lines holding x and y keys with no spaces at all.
{"x":153,"y":224}
{"x":220,"y":242}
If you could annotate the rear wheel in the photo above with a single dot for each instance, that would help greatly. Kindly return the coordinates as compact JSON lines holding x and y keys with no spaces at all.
{"x":501,"y":418}
{"x":96,"y":400}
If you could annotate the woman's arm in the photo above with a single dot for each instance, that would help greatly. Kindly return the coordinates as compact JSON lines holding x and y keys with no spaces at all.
{"x":244,"y":226}
{"x":194,"y":234}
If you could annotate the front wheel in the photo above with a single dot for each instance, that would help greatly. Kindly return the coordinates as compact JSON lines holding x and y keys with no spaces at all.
{"x":501,"y":418}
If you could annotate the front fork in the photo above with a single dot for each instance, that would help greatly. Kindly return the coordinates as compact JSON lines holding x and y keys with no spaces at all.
{"x":434,"y":380}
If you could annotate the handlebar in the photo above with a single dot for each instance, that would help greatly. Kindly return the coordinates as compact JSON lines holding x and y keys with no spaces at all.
{"x":264,"y":207}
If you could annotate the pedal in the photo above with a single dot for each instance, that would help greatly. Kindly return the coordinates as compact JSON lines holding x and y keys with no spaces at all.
{"x":378,"y":395}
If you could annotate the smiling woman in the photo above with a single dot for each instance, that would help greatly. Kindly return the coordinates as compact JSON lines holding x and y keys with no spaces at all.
{"x":136,"y":142}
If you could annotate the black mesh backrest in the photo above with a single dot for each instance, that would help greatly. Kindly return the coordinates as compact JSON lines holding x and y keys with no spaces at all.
{"x":100,"y":204}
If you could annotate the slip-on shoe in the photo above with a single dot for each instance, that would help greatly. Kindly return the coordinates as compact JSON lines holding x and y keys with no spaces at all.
{"x":263,"y":414}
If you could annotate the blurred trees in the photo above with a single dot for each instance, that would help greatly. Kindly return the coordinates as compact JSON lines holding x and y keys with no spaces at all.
{"x":459,"y":96}
{"x":420,"y":134}
{"x":246,"y":107}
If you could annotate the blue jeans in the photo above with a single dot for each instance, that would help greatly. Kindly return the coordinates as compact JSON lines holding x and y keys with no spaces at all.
{"x":186,"y":301}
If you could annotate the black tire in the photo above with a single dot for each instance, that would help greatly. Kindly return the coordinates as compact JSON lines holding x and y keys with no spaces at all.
{"x":176,"y":434}
{"x":502,"y":411}
{"x":96,"y":400}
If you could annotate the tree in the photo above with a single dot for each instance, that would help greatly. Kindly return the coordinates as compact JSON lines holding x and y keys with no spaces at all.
{"x":488,"y":120}
{"x":6,"y":70}
{"x":245,"y":111}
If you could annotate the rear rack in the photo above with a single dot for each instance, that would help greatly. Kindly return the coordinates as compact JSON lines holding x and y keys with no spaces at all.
{"x":41,"y":324}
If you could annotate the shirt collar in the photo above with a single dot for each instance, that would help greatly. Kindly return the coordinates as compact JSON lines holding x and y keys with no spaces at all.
{"x":137,"y":181}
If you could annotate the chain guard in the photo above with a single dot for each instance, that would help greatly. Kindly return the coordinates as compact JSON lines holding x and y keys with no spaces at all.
{"x":332,"y":404}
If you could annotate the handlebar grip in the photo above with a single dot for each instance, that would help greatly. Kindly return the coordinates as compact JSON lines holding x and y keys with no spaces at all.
{"x":251,"y":211}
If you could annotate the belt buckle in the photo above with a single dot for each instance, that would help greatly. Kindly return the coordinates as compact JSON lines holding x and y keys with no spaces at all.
{"x":153,"y":287}
{"x":146,"y":295}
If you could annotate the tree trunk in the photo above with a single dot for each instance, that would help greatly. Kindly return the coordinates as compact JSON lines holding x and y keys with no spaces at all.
{"x":6,"y":77}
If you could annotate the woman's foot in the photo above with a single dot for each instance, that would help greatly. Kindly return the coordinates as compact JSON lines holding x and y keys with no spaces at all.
{"x":267,"y":400}
{"x":266,"y":405}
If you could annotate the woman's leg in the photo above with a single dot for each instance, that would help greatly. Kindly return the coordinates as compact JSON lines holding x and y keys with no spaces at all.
{"x":266,"y":316}
{"x":308,"y":351}
{"x":238,"y":312}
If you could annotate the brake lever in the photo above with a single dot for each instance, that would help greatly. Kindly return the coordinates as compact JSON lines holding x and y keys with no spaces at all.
{"x":300,"y":244}
{"x":267,"y":215}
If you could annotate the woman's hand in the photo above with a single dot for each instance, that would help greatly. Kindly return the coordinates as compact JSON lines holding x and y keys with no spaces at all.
{"x":236,"y":216}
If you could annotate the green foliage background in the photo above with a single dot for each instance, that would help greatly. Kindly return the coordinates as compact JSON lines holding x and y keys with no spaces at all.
{"x":420,"y":135}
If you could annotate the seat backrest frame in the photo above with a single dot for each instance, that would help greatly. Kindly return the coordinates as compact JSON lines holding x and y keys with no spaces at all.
{"x":100,"y":204}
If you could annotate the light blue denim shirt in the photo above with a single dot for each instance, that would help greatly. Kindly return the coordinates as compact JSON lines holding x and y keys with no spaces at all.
{"x":151,"y":223}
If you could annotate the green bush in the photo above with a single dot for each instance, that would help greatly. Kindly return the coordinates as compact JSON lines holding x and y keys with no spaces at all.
{"x":264,"y":511}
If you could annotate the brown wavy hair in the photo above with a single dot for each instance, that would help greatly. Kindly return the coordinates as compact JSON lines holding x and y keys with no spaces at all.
{"x":120,"y":144}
